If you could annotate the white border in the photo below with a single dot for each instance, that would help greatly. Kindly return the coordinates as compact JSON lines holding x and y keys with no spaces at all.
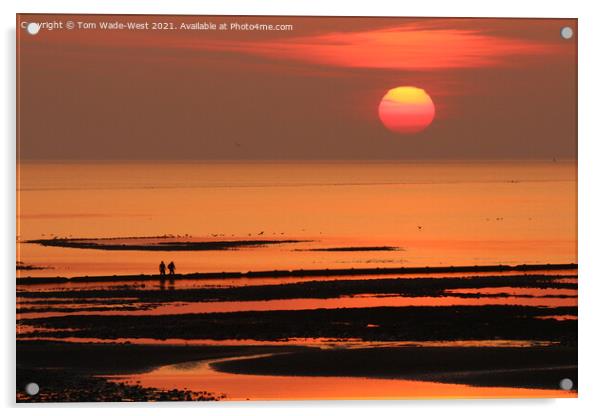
{"x":590,"y":207}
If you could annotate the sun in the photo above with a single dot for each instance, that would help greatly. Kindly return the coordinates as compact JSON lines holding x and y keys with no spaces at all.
{"x":406,"y":110}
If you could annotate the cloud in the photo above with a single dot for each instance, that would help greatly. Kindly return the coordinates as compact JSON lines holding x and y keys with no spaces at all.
{"x":409,"y":47}
{"x":413,"y":45}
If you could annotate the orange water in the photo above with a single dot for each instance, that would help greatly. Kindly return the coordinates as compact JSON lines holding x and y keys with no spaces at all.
{"x":201,"y":376}
{"x":369,"y":301}
{"x":436,"y":213}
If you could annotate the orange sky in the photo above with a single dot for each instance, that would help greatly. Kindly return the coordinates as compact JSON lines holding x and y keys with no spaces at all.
{"x":503,"y":89}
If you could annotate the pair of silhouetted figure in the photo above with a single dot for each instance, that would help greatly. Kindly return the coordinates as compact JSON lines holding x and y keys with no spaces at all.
{"x":171,"y":267}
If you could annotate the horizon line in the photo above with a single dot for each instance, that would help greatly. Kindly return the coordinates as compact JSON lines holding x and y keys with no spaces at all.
{"x":286,"y":161}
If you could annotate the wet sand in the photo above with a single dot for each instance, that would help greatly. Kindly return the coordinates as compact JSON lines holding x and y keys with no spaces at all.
{"x":155,"y":244}
{"x":279,"y":373}
{"x":276,"y":387}
{"x":306,"y":273}
{"x":69,"y":372}
{"x":483,"y":333}
{"x":124,"y":358}
{"x":534,"y":367}
{"x":382,"y":323}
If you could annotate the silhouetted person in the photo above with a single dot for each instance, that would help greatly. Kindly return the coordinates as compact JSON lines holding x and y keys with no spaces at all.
{"x":162,"y":269}
{"x":172,"y":268}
